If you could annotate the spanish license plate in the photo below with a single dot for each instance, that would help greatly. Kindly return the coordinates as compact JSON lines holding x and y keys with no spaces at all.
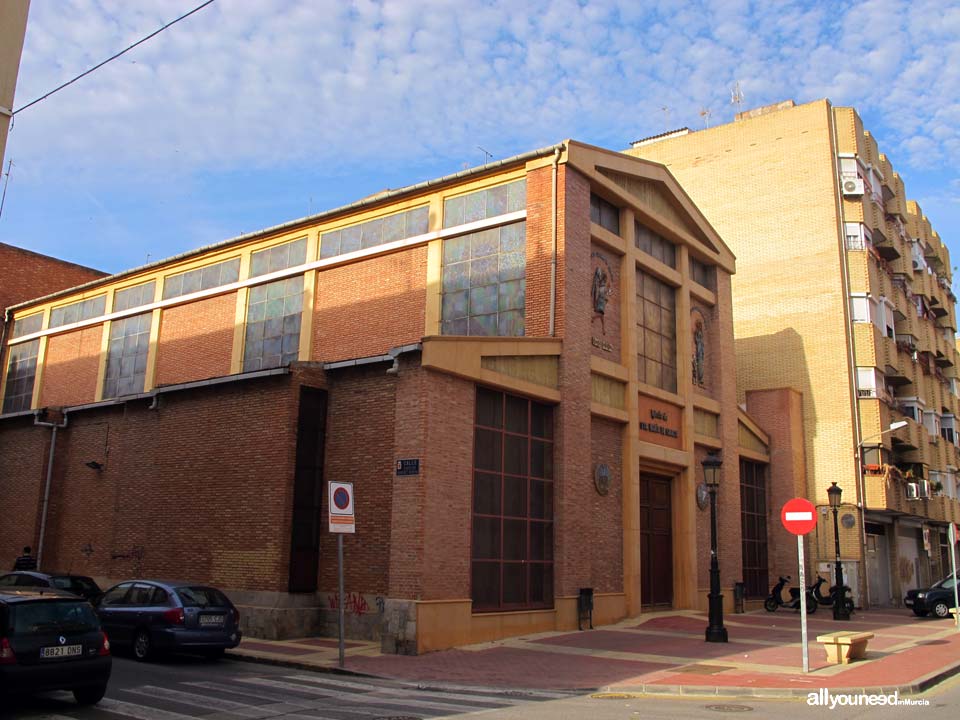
{"x":211,"y":620}
{"x":61,"y":651}
{"x":908,"y":603}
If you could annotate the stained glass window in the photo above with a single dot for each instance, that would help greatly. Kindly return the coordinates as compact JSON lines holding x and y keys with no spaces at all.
{"x":279,"y":257}
{"x":21,"y":371}
{"x":127,"y":356}
{"x":656,"y":332}
{"x":655,"y":246}
{"x":379,"y":231}
{"x":78,"y":311}
{"x":202,"y":278}
{"x":134,"y":296}
{"x":703,"y":274}
{"x":484,"y":282}
{"x":273,"y":324}
{"x":490,"y":202}
{"x":604,"y":214}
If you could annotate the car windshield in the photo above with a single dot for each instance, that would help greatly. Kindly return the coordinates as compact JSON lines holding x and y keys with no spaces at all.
{"x":202,"y":597}
{"x":947,"y":583}
{"x":34,"y":618}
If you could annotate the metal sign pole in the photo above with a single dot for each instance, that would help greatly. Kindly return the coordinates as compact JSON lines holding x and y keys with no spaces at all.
{"x":342,"y":600}
{"x":952,"y":535}
{"x":803,"y":606}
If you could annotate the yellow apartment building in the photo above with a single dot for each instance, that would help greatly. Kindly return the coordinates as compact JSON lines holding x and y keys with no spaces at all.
{"x":843,"y":292}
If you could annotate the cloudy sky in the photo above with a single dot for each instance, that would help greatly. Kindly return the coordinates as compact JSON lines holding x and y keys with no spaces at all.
{"x":254,"y":112}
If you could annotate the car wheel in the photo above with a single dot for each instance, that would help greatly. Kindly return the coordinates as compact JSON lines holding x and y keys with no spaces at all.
{"x":142,"y":647}
{"x":941,"y":609}
{"x":89,"y":695}
{"x":920,"y":613}
{"x":769,"y":604}
{"x":213,"y":654}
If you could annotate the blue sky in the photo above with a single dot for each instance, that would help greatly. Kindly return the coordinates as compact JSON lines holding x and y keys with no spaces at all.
{"x":254,"y":112}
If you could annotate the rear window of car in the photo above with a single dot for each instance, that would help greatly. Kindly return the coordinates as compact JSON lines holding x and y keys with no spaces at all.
{"x":35,"y":618}
{"x":201,"y":597}
{"x":75,"y":583}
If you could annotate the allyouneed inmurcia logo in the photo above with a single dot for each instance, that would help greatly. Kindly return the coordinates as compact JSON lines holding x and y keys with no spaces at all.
{"x":825,"y":698}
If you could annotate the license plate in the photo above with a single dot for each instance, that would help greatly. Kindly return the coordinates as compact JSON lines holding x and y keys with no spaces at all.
{"x":908,"y":603}
{"x":61,"y":651}
{"x":212,"y":620}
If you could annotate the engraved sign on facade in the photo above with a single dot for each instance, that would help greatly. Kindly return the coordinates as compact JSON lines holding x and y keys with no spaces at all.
{"x":660,"y":422}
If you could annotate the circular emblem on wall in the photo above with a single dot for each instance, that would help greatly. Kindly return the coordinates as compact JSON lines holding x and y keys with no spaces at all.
{"x":848,"y":521}
{"x":601,"y":478}
{"x":703,"y":496}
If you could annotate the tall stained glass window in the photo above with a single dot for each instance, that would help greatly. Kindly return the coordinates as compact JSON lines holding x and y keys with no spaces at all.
{"x":127,"y":356}
{"x":484,"y":282}
{"x":21,"y":371}
{"x":656,"y":332}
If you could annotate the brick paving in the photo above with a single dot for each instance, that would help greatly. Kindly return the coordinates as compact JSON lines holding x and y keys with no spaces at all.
{"x":663,"y":653}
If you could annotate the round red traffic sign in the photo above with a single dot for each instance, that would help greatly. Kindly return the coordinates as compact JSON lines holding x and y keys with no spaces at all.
{"x":799,"y":516}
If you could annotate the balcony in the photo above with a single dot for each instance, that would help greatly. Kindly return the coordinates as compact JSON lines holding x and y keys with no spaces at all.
{"x":884,"y":493}
{"x":936,"y":508}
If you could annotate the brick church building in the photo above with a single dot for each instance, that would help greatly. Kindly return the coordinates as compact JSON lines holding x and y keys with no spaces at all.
{"x":521,"y":368}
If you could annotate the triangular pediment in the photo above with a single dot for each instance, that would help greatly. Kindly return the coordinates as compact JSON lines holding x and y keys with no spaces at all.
{"x":652,"y":194}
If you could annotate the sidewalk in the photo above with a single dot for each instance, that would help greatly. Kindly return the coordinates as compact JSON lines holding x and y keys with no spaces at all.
{"x":663,"y":653}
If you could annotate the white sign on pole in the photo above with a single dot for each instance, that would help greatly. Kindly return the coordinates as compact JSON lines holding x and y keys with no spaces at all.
{"x":340,"y":505}
{"x":952,"y":534}
{"x":803,"y":606}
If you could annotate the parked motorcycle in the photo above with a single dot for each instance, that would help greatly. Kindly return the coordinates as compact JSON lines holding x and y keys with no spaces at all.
{"x":828,"y":600}
{"x":775,"y":599}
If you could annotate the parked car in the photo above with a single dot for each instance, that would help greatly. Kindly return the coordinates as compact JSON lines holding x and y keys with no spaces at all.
{"x":80,"y":585}
{"x":52,"y":640}
{"x":936,"y":599}
{"x":149,"y":616}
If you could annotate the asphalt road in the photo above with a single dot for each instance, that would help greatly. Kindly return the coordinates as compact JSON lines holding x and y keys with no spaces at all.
{"x":183,"y":688}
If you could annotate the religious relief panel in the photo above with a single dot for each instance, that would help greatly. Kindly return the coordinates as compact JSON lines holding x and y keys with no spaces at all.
{"x":605,"y":304}
{"x":701,"y":348}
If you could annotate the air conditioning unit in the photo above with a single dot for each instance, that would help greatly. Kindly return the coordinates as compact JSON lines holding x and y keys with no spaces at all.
{"x":853,"y":186}
{"x":916,"y":264}
{"x":923,"y":489}
{"x":913,"y":491}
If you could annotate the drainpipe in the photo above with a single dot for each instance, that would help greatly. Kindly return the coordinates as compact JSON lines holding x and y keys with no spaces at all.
{"x":851,"y":360}
{"x":46,"y":489}
{"x":553,"y":245}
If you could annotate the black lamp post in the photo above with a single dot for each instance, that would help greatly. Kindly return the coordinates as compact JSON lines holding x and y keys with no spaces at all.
{"x":716,"y":632}
{"x":840,"y":611}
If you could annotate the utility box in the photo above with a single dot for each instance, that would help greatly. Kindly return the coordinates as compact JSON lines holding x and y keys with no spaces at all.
{"x":585,"y":608}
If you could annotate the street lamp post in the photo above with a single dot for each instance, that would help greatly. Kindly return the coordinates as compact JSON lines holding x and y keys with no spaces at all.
{"x":840,"y":611}
{"x":716,"y":632}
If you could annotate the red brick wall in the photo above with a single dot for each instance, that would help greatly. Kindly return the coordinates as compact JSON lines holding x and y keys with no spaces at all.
{"x":71,"y":367}
{"x":27,"y":275}
{"x":366,"y":308}
{"x":539,"y":254}
{"x":23,"y":463}
{"x":606,"y":511}
{"x":359,"y":449}
{"x":200,"y":488}
{"x":196,"y":340}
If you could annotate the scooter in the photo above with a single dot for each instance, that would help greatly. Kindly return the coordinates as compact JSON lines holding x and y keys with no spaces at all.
{"x":775,"y":599}
{"x":829,"y":599}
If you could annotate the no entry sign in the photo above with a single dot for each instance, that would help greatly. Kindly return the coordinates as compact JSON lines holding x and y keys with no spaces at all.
{"x":799,"y":516}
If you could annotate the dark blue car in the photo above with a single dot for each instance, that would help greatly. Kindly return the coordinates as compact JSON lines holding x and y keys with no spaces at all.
{"x":149,"y":616}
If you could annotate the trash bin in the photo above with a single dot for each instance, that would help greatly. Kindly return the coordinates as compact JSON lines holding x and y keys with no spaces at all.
{"x":738,"y":594}
{"x":585,"y":607}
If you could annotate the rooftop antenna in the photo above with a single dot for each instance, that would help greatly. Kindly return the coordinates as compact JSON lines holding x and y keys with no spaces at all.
{"x":705,"y":114}
{"x":736,"y":97}
{"x":666,"y":115}
{"x":487,"y":155}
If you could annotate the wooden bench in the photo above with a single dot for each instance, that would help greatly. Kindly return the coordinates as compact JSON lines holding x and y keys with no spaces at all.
{"x":844,"y":646}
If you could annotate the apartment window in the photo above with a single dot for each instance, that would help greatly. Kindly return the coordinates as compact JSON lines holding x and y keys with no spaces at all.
{"x":134,"y":297}
{"x":484,"y":285}
{"x":860,"y":308}
{"x":703,"y":274}
{"x":948,"y":428}
{"x":857,"y":236}
{"x":127,"y":356}
{"x":279,"y":257}
{"x":378,"y":231}
{"x":512,"y":534}
{"x":273,"y":324}
{"x":604,"y":214}
{"x":202,"y":278}
{"x":655,"y":246}
{"x":656,"y":332}
{"x":21,"y":371}
{"x":870,"y":383}
{"x":78,"y":311}
{"x":912,"y":408}
{"x":931,"y":421}
{"x":483,"y":204}
{"x":26,"y":326}
{"x":753,"y":521}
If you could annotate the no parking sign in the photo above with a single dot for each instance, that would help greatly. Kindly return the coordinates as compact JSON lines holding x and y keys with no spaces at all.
{"x":340,"y":505}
